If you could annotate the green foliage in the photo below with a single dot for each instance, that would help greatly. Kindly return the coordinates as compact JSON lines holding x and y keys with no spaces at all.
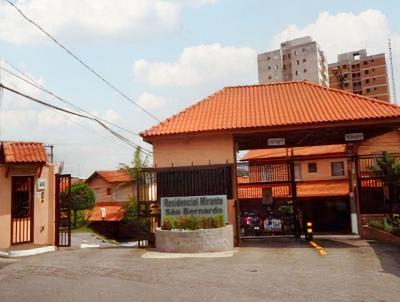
{"x":192,"y":222}
{"x":82,"y":197}
{"x":137,"y":164}
{"x":286,"y":209}
{"x":376,"y":224}
{"x":131,"y":211}
{"x":388,"y":167}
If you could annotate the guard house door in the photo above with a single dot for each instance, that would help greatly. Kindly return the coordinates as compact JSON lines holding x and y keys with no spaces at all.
{"x":22,"y":209}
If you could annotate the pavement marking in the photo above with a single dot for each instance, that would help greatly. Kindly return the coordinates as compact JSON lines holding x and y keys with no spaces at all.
{"x":320,"y":249}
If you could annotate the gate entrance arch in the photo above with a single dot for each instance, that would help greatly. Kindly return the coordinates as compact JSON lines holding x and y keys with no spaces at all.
{"x":282,"y":115}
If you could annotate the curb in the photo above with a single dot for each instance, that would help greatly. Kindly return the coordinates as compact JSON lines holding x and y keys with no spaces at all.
{"x":30,"y":252}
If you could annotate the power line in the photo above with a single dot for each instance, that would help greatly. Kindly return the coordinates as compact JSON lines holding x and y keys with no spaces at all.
{"x":38,"y":86}
{"x":127,"y":141}
{"x":82,"y":62}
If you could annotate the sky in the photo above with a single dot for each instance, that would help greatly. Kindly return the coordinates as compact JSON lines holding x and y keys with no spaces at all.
{"x":164,"y":54}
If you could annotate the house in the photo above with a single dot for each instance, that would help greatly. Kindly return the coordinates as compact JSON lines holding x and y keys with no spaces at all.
{"x":112,"y":190}
{"x":199,"y":144}
{"x":27,"y":195}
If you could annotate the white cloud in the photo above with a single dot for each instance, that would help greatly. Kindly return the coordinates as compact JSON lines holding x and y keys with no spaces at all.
{"x":346,"y":32}
{"x":199,"y":65}
{"x":150,"y":101}
{"x":88,"y":18}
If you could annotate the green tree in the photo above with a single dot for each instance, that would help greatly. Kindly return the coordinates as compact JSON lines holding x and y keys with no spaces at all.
{"x":82,"y":198}
{"x":139,"y":162}
{"x":388,"y":168}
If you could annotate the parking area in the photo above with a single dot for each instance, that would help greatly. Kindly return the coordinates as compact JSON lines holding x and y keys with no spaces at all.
{"x":273,"y":270}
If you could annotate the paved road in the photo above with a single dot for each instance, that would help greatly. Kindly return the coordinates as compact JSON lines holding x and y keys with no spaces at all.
{"x":352,"y":270}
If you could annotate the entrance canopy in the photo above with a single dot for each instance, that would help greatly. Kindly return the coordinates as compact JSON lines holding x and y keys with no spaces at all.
{"x":284,"y":114}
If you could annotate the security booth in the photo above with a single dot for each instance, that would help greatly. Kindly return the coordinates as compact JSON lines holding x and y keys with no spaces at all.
{"x":282,"y":115}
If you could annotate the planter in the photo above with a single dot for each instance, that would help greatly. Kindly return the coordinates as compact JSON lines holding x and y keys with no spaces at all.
{"x":369,"y":233}
{"x":198,"y":241}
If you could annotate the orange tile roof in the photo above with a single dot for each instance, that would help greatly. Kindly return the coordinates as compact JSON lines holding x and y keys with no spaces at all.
{"x":114,"y":211}
{"x":258,"y":154}
{"x":320,"y":188}
{"x":274,"y":105}
{"x":111,"y":176}
{"x":23,"y":152}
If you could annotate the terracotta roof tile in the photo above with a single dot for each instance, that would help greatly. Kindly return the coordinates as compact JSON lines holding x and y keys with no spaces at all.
{"x":115,"y":211}
{"x":273,"y":105}
{"x":324,"y":150}
{"x":320,"y":188}
{"x":23,"y":152}
{"x":111,"y":176}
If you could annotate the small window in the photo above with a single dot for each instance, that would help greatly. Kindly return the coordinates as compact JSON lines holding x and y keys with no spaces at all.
{"x":298,"y":62}
{"x":372,"y":60}
{"x":108,"y":191}
{"x":276,"y":67}
{"x":367,"y":81}
{"x":304,"y":60}
{"x":375,"y":88}
{"x":373,"y":79}
{"x":312,"y":167}
{"x":297,"y":72}
{"x":268,"y":58}
{"x":269,"y":67}
{"x":365,"y":62}
{"x":337,"y":168}
{"x":373,"y":69}
{"x":269,"y":78}
{"x":304,"y":49}
{"x":346,"y":84}
{"x":305,"y":70}
{"x":366,"y":72}
{"x":344,"y":66}
{"x":295,"y":52}
{"x":284,"y":67}
{"x":368,"y":90}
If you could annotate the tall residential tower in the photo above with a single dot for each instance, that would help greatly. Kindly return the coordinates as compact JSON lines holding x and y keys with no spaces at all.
{"x":362,"y":74}
{"x":296,"y":60}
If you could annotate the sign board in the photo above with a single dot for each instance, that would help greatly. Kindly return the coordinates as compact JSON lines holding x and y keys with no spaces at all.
{"x":277,"y":141}
{"x":357,"y":136}
{"x":103,"y":213}
{"x":210,"y":205}
{"x":41,"y":184}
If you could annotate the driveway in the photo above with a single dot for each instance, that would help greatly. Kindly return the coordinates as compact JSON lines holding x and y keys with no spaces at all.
{"x":275,"y":270}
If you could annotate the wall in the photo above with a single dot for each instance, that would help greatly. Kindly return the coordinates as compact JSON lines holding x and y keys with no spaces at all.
{"x":323,"y":169}
{"x":43,"y":207}
{"x":187,"y":151}
{"x":389,"y":142}
{"x":119,"y":191}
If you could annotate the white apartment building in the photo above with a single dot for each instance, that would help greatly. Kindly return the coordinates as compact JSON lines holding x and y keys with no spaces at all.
{"x":296,"y":60}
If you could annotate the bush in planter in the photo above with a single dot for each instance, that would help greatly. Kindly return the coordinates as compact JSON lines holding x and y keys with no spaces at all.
{"x":192,"y":222}
{"x":168,"y":223}
{"x":376,"y":224}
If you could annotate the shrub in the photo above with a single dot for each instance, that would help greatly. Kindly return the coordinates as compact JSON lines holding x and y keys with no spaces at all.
{"x":192,"y":222}
{"x":396,"y":231}
{"x":376,"y":224}
{"x":168,"y":223}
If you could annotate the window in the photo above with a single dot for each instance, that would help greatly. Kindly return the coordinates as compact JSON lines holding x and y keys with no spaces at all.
{"x":276,"y":67}
{"x":304,"y":60}
{"x":295,"y":52}
{"x":284,"y":67}
{"x":305,"y":70}
{"x":298,"y":62}
{"x":296,"y":72}
{"x":312,"y":167}
{"x":368,"y":90}
{"x":269,"y":78}
{"x":269,"y":67}
{"x":367,"y":81}
{"x":337,"y":168}
{"x":346,"y":84}
{"x":344,"y":67}
{"x":365,"y":62}
{"x":304,"y":49}
{"x":268,"y":58}
{"x":373,"y":69}
{"x":366,"y":72}
{"x":108,"y":191}
{"x":375,"y":88}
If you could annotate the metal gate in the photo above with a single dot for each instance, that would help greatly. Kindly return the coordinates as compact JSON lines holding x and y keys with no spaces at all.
{"x":378,"y":183}
{"x":62,"y":210}
{"x":154,"y":183}
{"x":267,"y":199}
{"x":22,"y":209}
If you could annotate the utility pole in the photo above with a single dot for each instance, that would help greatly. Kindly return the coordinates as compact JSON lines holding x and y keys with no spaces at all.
{"x":392,"y":72}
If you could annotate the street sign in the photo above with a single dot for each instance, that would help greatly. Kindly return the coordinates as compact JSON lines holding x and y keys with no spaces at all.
{"x":276,"y":141}
{"x":357,"y":136}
